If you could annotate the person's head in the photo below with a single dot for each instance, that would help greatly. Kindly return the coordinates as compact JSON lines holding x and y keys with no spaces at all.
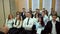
{"x":23,"y":9}
{"x":30,"y":8}
{"x":40,"y":20}
{"x":28,"y":14}
{"x":18,"y":17}
{"x":43,"y":9}
{"x":52,"y":9}
{"x":54,"y":16}
{"x":46,"y":12}
{"x":36,"y":15}
{"x":17,"y":12}
{"x":43,"y":13}
{"x":10,"y":16}
{"x":37,"y":10}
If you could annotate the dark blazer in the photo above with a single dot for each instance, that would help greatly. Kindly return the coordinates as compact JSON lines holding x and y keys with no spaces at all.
{"x":48,"y":28}
{"x":23,"y":16}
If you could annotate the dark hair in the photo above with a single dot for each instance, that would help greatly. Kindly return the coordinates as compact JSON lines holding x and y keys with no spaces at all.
{"x":38,"y":15}
{"x":23,"y":8}
{"x":19,"y":17}
{"x":42,"y":22}
{"x":17,"y":12}
{"x":43,"y":11}
{"x":46,"y":12}
{"x":54,"y":14}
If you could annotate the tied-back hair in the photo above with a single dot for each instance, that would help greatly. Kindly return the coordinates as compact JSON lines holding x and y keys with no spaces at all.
{"x":9,"y":16}
{"x":42,"y":22}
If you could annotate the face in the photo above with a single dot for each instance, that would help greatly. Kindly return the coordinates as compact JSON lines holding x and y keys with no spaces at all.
{"x":36,"y":15}
{"x":43,"y":8}
{"x":17,"y":17}
{"x":23,"y":9}
{"x":29,"y":15}
{"x":54,"y":18}
{"x":43,"y":13}
{"x":39,"y":20}
{"x":11,"y":16}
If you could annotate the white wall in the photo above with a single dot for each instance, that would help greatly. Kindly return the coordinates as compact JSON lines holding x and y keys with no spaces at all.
{"x":58,"y":7}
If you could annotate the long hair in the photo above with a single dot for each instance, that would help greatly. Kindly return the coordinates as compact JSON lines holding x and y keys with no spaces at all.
{"x":9,"y":16}
{"x":42,"y":22}
{"x":19,"y":17}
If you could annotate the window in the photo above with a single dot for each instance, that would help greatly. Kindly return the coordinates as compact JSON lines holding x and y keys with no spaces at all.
{"x":35,"y":4}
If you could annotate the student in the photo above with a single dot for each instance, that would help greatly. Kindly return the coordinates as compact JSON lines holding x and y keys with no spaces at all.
{"x":55,"y":14}
{"x":16,"y":26}
{"x":52,"y":27}
{"x":23,"y":13}
{"x":18,"y":21}
{"x":46,"y":12}
{"x":9,"y":21}
{"x":45,"y":17}
{"x":40,"y":23}
{"x":28,"y":23}
{"x":42,"y":10}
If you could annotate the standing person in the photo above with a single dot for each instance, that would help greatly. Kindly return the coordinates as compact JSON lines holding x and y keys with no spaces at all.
{"x":28,"y":23}
{"x":23,"y":13}
{"x":52,"y":27}
{"x":45,"y":17}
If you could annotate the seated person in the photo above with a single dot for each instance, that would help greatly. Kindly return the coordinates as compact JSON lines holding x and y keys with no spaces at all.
{"x":9,"y":21}
{"x":28,"y":23}
{"x":40,"y":25}
{"x":52,"y":27}
{"x":55,"y":14}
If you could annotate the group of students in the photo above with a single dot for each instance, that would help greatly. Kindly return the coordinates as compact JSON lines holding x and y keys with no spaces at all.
{"x":26,"y":22}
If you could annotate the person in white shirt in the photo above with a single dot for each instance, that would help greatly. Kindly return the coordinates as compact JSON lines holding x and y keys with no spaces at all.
{"x":42,"y":10}
{"x":9,"y":21}
{"x":35,"y":18}
{"x":18,"y":22}
{"x":45,"y":17}
{"x":52,"y":27}
{"x":28,"y":23}
{"x":40,"y":25}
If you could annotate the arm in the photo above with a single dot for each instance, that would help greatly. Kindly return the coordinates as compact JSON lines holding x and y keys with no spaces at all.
{"x":30,"y":24}
{"x":46,"y":29}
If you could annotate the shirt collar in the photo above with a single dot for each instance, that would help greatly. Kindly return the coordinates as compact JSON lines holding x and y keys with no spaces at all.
{"x":53,"y":22}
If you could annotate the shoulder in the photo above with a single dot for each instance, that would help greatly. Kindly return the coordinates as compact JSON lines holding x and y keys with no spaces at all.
{"x":49,"y":22}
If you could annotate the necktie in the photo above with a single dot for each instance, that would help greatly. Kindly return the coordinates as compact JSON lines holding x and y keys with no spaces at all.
{"x":28,"y":21}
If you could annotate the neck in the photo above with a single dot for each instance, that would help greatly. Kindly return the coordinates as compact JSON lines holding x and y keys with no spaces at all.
{"x":54,"y":20}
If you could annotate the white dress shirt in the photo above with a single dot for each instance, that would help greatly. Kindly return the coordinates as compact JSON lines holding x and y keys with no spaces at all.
{"x":45,"y":19}
{"x":9,"y":23}
{"x":18,"y":23}
{"x":30,"y":23}
{"x":53,"y":27}
{"x":35,"y":20}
